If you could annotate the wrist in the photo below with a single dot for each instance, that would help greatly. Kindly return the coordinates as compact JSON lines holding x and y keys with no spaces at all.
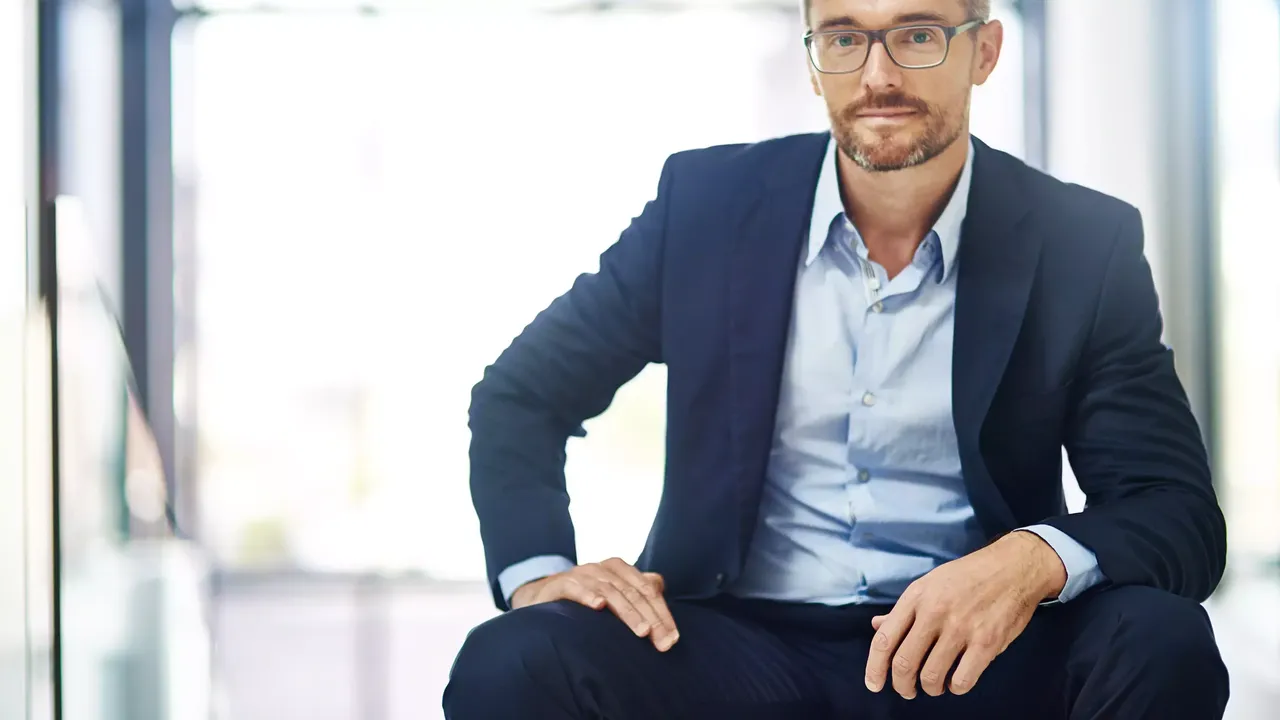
{"x":525,"y":594}
{"x":1049,"y":574}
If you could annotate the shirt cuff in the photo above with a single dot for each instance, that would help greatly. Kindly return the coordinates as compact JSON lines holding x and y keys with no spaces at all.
{"x":1081,"y":564}
{"x":526,"y":571}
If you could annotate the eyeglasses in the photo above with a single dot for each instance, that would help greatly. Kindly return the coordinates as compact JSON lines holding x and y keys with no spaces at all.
{"x":914,"y":47}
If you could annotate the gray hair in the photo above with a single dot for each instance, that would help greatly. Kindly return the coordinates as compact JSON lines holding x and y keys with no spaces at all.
{"x":974,"y":10}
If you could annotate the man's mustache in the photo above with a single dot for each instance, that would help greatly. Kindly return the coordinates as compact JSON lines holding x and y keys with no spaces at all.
{"x":889,"y":101}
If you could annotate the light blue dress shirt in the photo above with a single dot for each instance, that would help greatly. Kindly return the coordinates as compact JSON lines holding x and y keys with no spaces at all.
{"x":864,"y":491}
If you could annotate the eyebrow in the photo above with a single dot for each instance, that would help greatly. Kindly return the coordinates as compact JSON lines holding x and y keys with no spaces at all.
{"x":847,"y":21}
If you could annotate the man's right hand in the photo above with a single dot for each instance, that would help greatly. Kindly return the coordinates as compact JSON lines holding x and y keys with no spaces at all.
{"x":635,"y":597}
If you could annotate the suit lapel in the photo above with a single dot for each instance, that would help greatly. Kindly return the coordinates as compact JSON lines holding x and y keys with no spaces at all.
{"x":764,"y":262}
{"x":997,"y":267}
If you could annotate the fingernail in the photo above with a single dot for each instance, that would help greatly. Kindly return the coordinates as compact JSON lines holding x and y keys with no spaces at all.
{"x":873,"y":687}
{"x":642,"y":630}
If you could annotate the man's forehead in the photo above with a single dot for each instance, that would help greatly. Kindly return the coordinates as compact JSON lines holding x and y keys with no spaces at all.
{"x":876,"y":13}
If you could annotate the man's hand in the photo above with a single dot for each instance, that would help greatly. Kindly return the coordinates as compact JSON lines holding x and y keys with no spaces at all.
{"x":969,"y":609}
{"x":635,"y":597}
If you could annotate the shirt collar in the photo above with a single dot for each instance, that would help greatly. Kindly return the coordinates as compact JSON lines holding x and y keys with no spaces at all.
{"x":828,"y":207}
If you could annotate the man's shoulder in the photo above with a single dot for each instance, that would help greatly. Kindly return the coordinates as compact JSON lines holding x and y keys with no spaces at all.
{"x":1061,"y":203}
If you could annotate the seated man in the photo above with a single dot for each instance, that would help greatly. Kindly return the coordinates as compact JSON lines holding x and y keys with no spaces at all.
{"x":878,"y":341}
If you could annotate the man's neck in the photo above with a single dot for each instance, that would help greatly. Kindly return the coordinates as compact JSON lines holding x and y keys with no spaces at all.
{"x":894,"y":211}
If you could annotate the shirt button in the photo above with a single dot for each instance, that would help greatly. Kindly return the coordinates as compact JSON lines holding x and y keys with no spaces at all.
{"x":868,"y":399}
{"x":864,"y":475}
{"x":878,"y":307}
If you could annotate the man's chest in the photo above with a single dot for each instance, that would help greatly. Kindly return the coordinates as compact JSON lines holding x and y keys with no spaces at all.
{"x":868,"y":365}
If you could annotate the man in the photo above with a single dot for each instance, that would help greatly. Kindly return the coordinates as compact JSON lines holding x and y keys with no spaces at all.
{"x":878,"y":341}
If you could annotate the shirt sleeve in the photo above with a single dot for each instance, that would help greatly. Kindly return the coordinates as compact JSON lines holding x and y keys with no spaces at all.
{"x":1081,"y":564}
{"x":526,"y":571}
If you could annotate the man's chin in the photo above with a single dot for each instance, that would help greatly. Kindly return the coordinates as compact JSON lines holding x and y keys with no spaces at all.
{"x":884,"y":159}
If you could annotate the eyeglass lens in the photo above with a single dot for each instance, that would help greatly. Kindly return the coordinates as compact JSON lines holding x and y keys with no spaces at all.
{"x":910,"y":47}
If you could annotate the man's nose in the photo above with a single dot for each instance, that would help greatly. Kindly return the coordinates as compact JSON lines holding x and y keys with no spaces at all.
{"x":880,"y":72}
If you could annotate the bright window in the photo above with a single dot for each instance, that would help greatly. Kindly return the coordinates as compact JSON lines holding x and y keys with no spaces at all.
{"x":385,"y":201}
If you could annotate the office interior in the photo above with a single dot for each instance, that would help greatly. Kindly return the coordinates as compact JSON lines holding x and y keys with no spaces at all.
{"x":256,"y":252}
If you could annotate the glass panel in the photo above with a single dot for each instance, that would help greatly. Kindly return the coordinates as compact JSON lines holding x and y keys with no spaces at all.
{"x":133,"y":641}
{"x":14,"y":304}
{"x":333,"y":415}
{"x":26,"y":559}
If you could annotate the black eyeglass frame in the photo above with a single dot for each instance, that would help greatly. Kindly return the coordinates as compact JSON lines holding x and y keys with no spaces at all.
{"x":878,"y":36}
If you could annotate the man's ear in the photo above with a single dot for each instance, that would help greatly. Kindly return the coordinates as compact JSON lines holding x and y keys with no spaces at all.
{"x":990,"y":40}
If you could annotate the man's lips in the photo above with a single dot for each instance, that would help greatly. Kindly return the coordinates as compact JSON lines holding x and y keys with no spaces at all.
{"x":899,"y":112}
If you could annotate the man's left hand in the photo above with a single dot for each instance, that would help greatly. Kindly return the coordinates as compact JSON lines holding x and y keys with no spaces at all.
{"x":969,"y":610}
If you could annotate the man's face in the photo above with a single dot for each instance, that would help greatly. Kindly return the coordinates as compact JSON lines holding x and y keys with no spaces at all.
{"x":885,"y":117}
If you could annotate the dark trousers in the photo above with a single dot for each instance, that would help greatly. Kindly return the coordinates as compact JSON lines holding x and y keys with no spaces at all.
{"x":1124,"y":654}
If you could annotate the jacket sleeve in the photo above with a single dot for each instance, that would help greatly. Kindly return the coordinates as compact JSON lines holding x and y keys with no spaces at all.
{"x":1152,"y":517}
{"x":564,"y":368}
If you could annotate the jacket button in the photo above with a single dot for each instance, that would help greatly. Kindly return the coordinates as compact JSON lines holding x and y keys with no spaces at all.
{"x":720,"y":580}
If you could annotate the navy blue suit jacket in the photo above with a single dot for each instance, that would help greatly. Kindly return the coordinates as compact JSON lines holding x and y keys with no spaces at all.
{"x":1057,"y":343}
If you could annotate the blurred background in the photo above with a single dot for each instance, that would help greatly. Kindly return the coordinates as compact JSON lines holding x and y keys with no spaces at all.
{"x":255,"y":253}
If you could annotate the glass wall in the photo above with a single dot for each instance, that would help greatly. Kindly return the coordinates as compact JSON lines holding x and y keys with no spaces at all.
{"x":133,"y":641}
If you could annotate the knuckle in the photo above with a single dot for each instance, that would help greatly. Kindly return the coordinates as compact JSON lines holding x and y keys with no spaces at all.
{"x":882,"y":640}
{"x":902,"y":664}
{"x":986,"y":638}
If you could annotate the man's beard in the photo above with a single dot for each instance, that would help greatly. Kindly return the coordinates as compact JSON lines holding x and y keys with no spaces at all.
{"x":882,"y":154}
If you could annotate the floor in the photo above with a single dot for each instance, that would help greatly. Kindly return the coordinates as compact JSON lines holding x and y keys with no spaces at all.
{"x":335,"y":650}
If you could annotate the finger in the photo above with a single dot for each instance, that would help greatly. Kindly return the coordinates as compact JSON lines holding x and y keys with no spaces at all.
{"x":573,"y":589}
{"x":911,"y":654}
{"x":977,"y":656}
{"x":621,"y":606}
{"x":645,"y":597}
{"x":933,"y":674}
{"x":636,"y":598}
{"x":877,"y":621}
{"x":665,"y":634}
{"x":885,"y":643}
{"x":656,"y":580}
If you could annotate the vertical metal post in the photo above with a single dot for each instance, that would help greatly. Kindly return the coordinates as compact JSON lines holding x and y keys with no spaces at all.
{"x":1189,"y":199}
{"x":1035,"y":78}
{"x":49,"y":127}
{"x":147,"y":248}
